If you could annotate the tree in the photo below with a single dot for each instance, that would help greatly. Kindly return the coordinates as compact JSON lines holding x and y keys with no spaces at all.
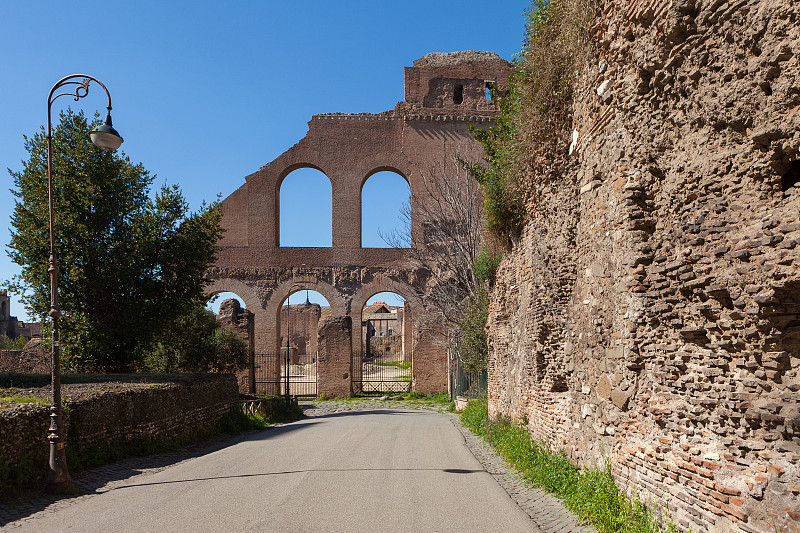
{"x":448,"y":245}
{"x":7,"y":343}
{"x":198,"y":343}
{"x":128,"y":262}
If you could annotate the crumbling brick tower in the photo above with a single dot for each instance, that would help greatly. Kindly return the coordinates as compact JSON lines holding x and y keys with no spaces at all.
{"x":444,"y":94}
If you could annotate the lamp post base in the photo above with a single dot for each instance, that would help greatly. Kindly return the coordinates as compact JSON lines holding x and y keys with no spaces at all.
{"x":58,"y":480}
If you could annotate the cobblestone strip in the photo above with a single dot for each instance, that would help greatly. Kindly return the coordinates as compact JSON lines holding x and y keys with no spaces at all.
{"x":329,"y":407}
{"x":545,"y":510}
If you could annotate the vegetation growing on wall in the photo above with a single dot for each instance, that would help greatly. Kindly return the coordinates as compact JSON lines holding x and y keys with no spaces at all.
{"x":532,"y":132}
{"x":198,"y":343}
{"x":474,"y":348}
{"x":7,"y":343}
{"x":590,"y":493}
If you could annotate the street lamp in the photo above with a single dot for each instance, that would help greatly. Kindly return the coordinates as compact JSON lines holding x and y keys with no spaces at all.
{"x":107,"y":138}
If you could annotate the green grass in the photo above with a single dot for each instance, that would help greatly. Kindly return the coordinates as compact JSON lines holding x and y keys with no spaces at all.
{"x":24,"y":399}
{"x":405,"y":365}
{"x":591,"y":493}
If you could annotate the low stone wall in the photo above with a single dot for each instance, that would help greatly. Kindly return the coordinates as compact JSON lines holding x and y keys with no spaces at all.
{"x":109,"y":419}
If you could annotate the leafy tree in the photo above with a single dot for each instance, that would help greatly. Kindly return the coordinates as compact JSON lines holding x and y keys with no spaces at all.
{"x":7,"y":343}
{"x":198,"y":343}
{"x":128,"y":262}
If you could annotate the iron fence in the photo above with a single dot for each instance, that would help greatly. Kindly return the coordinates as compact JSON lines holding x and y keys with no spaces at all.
{"x":271,"y":374}
{"x":466,"y":383}
{"x":381,"y":373}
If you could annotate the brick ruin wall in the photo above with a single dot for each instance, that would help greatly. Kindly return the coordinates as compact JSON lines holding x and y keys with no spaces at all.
{"x":650,"y":312}
{"x":445,"y":93}
{"x":232,"y":316}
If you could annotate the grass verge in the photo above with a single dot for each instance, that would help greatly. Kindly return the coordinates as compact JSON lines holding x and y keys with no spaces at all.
{"x":591,"y":493}
{"x":399,"y":364}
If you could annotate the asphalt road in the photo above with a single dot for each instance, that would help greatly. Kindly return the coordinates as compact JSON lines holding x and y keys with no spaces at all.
{"x":365,"y":471}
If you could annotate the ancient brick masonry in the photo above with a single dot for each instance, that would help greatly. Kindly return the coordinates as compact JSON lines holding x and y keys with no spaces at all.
{"x":444,"y":94}
{"x":232,"y":316}
{"x":650,"y":312}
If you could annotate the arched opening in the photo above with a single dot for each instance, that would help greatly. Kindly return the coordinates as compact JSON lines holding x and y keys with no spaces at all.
{"x":385,"y":211}
{"x":3,"y":310}
{"x":306,"y":212}
{"x":298,"y":325}
{"x":301,"y":313}
{"x":386,"y":346}
{"x":216,"y":300}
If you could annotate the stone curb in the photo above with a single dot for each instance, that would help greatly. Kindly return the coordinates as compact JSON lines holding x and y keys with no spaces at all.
{"x":546,"y":511}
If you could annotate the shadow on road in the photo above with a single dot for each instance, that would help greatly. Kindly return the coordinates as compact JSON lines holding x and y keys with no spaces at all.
{"x":113,"y":475}
{"x":289,"y":472}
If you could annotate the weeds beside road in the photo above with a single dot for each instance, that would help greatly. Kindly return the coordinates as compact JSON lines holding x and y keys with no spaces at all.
{"x":590,"y":493}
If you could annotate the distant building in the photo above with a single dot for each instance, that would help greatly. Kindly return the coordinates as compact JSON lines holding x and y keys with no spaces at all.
{"x":10,"y":326}
{"x":382,"y":329}
{"x":301,"y":322}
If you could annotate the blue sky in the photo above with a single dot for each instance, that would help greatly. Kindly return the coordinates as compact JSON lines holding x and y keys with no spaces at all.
{"x":205,"y":93}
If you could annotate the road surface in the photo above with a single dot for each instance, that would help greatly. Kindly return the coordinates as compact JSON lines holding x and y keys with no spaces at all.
{"x":364,"y":471}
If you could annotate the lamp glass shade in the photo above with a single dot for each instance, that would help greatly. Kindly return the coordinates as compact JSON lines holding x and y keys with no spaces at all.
{"x":105,"y":136}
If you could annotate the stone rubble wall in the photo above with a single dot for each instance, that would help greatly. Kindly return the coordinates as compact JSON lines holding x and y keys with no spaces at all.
{"x":34,"y":358}
{"x":100,"y":417}
{"x":650,"y":312}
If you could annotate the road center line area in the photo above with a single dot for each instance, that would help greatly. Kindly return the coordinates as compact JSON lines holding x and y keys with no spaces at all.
{"x":390,"y":470}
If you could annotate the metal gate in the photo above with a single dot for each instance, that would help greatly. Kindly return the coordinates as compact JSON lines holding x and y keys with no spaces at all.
{"x":271,"y":374}
{"x":382,"y":373}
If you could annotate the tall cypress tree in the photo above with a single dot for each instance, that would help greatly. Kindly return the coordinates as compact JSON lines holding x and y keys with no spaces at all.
{"x":128,"y":263}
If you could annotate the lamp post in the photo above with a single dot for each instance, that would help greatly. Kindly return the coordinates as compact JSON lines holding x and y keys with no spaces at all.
{"x":106,"y":138}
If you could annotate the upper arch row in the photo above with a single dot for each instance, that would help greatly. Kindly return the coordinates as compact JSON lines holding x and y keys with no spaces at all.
{"x":366,"y":176}
{"x":307,"y":205}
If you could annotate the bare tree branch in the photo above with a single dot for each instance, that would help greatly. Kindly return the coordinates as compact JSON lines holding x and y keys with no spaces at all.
{"x":443,"y":236}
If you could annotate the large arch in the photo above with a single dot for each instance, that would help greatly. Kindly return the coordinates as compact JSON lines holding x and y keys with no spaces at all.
{"x":273,"y":305}
{"x":417,"y":135}
{"x":381,"y":284}
{"x":251,"y":299}
{"x":385,"y":168}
